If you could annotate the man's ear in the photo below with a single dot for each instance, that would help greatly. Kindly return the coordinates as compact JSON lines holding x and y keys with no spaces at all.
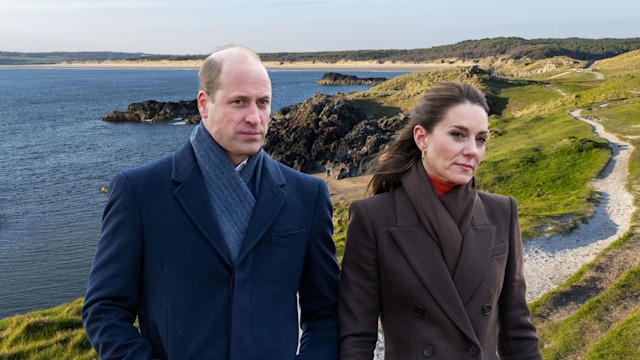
{"x":421,"y":137}
{"x":203,"y":103}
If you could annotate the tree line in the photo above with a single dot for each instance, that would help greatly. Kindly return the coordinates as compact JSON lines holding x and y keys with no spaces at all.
{"x":535,"y":49}
{"x":515,"y":47}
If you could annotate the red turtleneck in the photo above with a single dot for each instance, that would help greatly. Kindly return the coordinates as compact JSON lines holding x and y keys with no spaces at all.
{"x":440,"y":186}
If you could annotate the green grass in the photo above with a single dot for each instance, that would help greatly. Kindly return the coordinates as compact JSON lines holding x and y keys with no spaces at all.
{"x":55,"y":333}
{"x":526,"y":98}
{"x":629,"y":61}
{"x":572,"y":337}
{"x":621,"y":117}
{"x":547,"y":163}
{"x":621,"y":342}
{"x":340,"y":223}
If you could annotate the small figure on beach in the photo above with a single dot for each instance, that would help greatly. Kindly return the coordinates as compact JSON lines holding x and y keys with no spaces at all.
{"x":213,"y":249}
{"x":437,"y":261}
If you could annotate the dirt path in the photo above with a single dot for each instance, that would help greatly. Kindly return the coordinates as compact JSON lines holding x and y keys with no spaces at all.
{"x":550,"y":261}
{"x":598,"y":75}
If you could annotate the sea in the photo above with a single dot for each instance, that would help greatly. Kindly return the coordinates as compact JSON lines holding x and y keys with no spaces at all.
{"x":56,"y":153}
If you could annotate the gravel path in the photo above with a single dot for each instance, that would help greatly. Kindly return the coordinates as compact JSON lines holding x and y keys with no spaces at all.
{"x":550,"y":261}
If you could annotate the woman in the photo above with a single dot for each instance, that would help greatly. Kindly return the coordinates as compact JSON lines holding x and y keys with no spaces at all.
{"x":437,"y":261}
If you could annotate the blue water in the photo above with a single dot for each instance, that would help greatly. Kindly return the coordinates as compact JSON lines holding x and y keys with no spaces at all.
{"x":56,"y":153}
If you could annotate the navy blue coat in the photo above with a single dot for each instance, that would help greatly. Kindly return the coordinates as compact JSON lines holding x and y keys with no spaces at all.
{"x":162,"y":258}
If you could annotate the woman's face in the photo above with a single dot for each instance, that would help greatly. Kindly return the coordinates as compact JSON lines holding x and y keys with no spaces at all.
{"x":455,"y":147}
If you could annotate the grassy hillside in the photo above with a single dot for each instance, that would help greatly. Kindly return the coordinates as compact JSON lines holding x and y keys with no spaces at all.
{"x":626,"y":61}
{"x":596,"y":313}
{"x":55,"y":333}
{"x":537,"y":153}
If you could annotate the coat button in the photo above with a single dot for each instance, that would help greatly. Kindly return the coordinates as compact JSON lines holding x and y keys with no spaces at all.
{"x":486,"y":309}
{"x":428,"y":351}
{"x":420,"y":311}
{"x":473,"y":351}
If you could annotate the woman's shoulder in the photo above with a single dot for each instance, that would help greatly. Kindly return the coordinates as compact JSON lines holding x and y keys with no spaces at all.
{"x":374,"y":204}
{"x":497,"y":201}
{"x":375,"y":200}
{"x":487,"y":196}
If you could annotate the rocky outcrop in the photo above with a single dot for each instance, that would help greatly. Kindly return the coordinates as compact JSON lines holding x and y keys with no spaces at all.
{"x":332,"y":78}
{"x":155,"y":111}
{"x":352,"y":155}
{"x":329,"y":133}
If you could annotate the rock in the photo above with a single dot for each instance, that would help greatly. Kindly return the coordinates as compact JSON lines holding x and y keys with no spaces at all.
{"x":354,"y":152}
{"x":330,"y":134}
{"x":332,"y":78}
{"x":155,"y":111}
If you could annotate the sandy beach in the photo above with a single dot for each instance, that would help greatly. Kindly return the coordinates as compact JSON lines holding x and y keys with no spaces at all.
{"x":271,"y":65}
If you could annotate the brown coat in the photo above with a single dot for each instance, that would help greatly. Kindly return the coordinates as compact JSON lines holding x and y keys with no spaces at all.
{"x":393,"y":269}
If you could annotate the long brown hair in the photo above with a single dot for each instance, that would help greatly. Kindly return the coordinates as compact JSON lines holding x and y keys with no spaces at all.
{"x":403,"y":152}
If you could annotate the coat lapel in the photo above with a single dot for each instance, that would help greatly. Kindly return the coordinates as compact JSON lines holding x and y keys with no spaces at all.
{"x":192,"y":195}
{"x":425,"y":257}
{"x":270,"y":199}
{"x":477,"y":247}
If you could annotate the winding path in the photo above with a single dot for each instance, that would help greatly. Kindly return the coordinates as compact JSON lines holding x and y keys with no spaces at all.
{"x":550,"y":261}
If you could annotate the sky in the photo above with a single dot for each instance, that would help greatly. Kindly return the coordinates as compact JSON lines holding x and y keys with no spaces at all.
{"x":198,"y":27}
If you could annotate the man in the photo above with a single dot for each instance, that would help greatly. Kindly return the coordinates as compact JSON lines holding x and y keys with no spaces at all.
{"x":212,"y":247}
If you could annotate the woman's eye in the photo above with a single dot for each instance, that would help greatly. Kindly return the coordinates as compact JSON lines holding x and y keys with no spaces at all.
{"x":481,"y":140}
{"x":457,"y":135}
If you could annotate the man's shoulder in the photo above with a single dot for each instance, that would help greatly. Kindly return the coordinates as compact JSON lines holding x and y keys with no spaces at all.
{"x":162,"y":166}
{"x":290,"y":174}
{"x":150,"y":169}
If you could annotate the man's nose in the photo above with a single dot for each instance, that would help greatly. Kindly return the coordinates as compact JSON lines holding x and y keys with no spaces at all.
{"x":253,"y":114}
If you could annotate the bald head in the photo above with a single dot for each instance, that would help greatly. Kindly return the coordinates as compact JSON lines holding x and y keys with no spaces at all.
{"x":209,"y":74}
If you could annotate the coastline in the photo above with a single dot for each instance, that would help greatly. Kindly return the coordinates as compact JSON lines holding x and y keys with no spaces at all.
{"x":270,"y":65}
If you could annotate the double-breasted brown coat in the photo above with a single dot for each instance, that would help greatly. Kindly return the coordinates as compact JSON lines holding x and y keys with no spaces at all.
{"x":394,"y":270}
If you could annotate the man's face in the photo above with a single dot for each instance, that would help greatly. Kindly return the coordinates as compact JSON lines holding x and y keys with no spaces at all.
{"x":237,"y":116}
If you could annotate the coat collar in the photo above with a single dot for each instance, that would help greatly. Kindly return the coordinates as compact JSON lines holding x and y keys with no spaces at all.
{"x":425,"y":257}
{"x":192,"y":195}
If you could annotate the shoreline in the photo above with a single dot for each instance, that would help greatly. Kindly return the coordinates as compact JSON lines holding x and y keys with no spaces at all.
{"x":270,"y":65}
